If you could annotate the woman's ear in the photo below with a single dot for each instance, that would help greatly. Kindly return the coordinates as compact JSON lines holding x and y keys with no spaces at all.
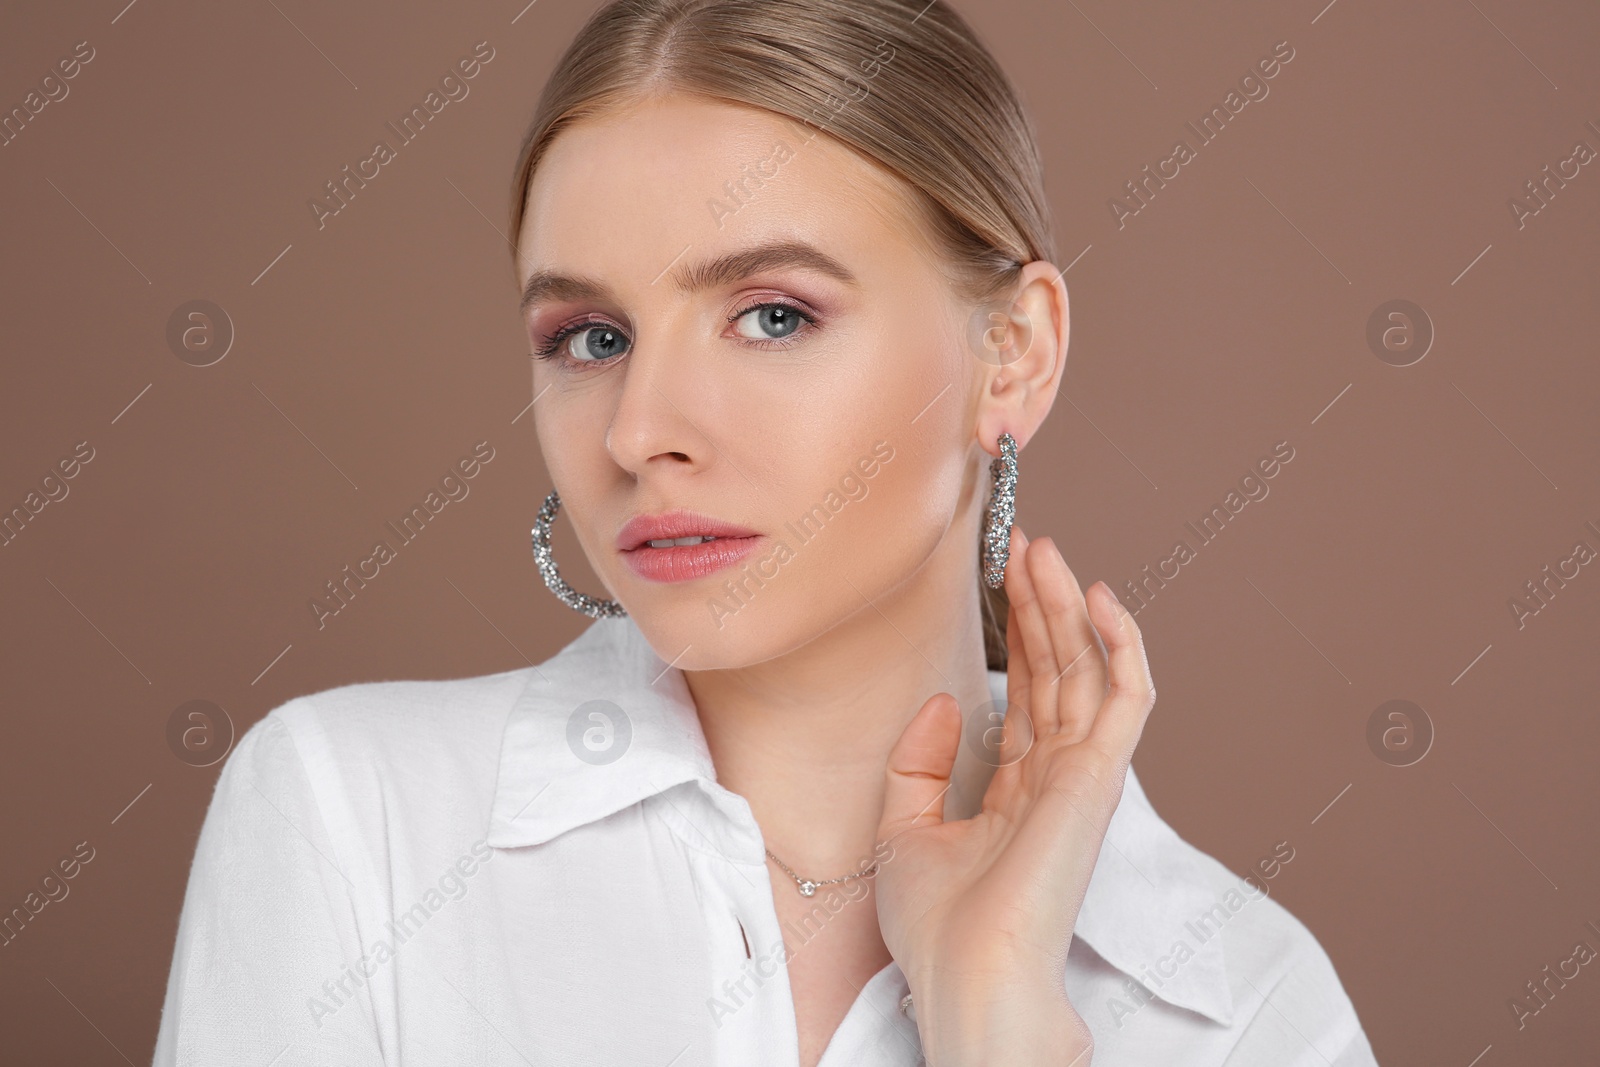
{"x":1023,"y":355}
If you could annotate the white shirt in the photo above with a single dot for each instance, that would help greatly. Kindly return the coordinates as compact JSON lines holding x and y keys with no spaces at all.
{"x":481,"y":871}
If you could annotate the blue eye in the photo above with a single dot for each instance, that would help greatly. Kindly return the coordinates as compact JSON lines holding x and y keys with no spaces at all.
{"x":585,"y":342}
{"x":770,"y":321}
{"x":592,"y":343}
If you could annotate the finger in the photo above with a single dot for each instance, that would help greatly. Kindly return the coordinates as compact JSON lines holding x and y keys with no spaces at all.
{"x":918,"y":774}
{"x":1035,"y":635}
{"x":1019,"y":678}
{"x":1079,"y":687}
{"x":1131,"y":691}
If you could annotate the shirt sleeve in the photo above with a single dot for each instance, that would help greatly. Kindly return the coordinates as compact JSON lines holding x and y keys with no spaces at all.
{"x":1305,"y":1019}
{"x":262,"y":967}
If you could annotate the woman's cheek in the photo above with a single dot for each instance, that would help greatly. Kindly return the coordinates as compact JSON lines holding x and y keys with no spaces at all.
{"x":905,"y":512}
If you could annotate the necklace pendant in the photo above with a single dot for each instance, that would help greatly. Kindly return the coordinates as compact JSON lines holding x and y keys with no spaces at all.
{"x":808,"y":888}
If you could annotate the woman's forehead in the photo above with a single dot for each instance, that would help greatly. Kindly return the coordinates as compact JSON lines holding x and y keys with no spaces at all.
{"x":683,"y":172}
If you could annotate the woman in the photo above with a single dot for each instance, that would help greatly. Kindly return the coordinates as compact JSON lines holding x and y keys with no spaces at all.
{"x":788,"y":272}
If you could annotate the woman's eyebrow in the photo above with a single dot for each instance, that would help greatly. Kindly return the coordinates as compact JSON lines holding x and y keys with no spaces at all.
{"x":731,"y":267}
{"x":741,"y":264}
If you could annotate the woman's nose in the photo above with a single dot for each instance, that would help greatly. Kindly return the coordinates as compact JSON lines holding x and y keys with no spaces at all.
{"x":653,"y":419}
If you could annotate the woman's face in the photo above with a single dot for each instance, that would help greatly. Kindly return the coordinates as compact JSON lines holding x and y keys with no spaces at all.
{"x":744,"y":325}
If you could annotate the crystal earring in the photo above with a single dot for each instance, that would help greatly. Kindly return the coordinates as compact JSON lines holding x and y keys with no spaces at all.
{"x":1002,"y":511}
{"x":546,"y":560}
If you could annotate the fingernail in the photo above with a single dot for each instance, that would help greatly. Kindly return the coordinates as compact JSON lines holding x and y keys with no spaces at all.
{"x":1117,"y":609}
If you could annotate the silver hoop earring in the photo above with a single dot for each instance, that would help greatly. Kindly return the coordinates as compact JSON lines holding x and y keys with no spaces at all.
{"x":1002,"y":512}
{"x":546,"y":561}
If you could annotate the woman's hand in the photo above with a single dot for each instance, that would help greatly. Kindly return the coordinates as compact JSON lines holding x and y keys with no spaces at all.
{"x":979,"y":913}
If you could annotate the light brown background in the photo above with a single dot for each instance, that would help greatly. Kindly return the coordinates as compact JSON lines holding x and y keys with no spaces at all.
{"x":1227,"y":316}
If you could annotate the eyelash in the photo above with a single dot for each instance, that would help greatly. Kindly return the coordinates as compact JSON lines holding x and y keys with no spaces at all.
{"x":551,"y":345}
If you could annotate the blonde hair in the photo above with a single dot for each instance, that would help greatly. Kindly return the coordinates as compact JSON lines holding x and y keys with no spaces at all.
{"x":905,"y":84}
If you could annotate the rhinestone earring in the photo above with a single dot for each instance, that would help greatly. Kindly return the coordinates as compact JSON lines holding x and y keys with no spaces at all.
{"x":546,"y":561}
{"x":1001,"y":513}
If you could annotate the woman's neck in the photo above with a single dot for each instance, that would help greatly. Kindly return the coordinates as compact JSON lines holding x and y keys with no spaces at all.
{"x":805,"y":737}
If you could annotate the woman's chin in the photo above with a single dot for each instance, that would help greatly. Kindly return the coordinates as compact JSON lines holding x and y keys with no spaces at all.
{"x":693,"y":637}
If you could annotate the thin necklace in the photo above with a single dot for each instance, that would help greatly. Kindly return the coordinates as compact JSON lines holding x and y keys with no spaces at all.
{"x":809,"y":886}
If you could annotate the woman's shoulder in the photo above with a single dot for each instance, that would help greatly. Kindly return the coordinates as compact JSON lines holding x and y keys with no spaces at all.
{"x":358,"y":754}
{"x":363,"y":789}
{"x":379,"y":753}
{"x":1285,"y":1001}
{"x":399,"y":715}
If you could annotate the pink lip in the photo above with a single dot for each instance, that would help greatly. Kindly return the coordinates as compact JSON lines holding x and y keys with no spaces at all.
{"x":681,"y":563}
{"x":676,"y":523}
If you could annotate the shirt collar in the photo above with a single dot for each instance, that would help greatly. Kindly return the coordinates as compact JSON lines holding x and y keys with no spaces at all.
{"x":606,"y":723}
